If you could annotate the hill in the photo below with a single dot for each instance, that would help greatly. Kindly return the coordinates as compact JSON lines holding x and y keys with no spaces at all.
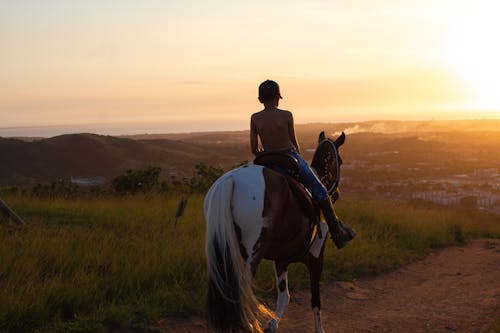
{"x":375,"y":151}
{"x":90,"y":155}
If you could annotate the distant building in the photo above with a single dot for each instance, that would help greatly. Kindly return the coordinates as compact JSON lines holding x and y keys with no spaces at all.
{"x":90,"y":181}
{"x":439,"y":197}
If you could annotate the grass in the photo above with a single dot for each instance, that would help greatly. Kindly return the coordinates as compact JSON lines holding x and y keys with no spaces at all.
{"x":87,"y":265}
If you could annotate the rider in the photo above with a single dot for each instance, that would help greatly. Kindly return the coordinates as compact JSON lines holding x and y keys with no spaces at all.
{"x":277,"y":133}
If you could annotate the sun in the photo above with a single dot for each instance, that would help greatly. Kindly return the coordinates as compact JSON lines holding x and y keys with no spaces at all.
{"x":473,"y":50}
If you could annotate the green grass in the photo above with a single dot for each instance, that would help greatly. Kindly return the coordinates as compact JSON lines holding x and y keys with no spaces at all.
{"x":86,"y":265}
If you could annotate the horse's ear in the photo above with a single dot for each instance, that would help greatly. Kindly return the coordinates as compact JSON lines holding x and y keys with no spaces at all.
{"x":321,"y":136}
{"x":340,"y":140}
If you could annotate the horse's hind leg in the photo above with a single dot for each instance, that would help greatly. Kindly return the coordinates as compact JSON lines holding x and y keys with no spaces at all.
{"x":281,"y":273}
{"x":315,"y":266}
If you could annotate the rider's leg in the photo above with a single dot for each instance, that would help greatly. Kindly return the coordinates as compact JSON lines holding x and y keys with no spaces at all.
{"x":340,"y":234}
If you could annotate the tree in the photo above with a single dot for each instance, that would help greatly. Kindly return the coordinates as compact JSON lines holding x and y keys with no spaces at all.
{"x":205,"y":176}
{"x":134,"y":181}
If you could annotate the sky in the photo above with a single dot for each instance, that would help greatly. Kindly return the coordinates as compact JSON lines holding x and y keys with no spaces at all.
{"x":196,"y":65}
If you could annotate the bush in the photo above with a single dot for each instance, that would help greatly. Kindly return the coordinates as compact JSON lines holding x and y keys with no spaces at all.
{"x":134,"y":181}
{"x":200,"y":182}
{"x":56,"y":189}
{"x":205,"y":176}
{"x":10,"y":190}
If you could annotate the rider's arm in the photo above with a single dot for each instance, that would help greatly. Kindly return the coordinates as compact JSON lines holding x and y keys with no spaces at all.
{"x":291,"y":132}
{"x":254,"y":143}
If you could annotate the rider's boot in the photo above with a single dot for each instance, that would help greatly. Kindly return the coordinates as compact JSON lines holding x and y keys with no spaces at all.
{"x":341,"y":234}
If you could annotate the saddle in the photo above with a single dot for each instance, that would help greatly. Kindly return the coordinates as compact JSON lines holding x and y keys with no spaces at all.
{"x":281,"y":162}
{"x":287,"y":165}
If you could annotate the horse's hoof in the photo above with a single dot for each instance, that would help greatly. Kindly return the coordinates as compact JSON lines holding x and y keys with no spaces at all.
{"x":273,"y":325}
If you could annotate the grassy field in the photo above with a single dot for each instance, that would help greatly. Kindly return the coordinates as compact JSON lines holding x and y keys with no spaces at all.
{"x":87,"y":265}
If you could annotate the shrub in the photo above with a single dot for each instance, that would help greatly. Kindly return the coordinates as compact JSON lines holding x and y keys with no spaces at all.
{"x":56,"y":189}
{"x":134,"y":181}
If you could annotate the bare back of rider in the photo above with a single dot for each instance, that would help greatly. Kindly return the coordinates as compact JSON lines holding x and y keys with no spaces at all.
{"x":275,"y":129}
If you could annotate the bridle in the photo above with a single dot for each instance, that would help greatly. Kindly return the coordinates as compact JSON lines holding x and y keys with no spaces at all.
{"x":331,"y":155}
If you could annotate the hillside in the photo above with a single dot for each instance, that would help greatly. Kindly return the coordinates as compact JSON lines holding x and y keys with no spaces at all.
{"x":90,"y":155}
{"x":374,"y":152}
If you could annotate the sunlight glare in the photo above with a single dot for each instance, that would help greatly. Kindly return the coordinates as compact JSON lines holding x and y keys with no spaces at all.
{"x":474,"y":53}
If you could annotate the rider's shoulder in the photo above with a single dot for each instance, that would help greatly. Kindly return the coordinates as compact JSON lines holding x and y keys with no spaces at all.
{"x":277,"y":113}
{"x":286,"y":113}
{"x":256,"y":116}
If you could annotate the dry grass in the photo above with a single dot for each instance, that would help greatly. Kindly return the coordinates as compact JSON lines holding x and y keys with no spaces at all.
{"x":86,"y":265}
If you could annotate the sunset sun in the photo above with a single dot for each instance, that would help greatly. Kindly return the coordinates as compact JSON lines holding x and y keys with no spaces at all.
{"x":474,"y":52}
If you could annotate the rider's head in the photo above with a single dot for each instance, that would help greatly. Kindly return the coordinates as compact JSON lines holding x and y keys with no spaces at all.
{"x":269,"y":92}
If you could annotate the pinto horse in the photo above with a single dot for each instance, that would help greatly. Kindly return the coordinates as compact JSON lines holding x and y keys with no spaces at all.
{"x":252,"y":213}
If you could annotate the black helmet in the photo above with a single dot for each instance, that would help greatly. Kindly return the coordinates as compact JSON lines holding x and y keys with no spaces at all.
{"x":268,"y":90}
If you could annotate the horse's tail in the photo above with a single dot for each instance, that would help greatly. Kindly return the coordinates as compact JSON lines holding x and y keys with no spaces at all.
{"x":231,"y":304}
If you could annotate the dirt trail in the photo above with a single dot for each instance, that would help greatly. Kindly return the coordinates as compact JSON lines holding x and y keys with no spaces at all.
{"x":452,"y":290}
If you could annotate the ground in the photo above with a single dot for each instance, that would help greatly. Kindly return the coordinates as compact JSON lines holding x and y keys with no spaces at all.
{"x":456,"y":289}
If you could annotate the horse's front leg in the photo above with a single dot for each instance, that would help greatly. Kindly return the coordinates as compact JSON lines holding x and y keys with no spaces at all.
{"x":280,"y":271}
{"x":315,"y":266}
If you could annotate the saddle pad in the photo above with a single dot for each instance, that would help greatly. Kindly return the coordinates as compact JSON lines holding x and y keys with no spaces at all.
{"x":304,"y":198}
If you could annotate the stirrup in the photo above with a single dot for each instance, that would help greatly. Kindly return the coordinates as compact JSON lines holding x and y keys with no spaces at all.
{"x":343,"y":235}
{"x":338,"y":241}
{"x":349,"y":231}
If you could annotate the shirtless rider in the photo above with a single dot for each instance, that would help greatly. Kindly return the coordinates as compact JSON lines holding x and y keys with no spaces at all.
{"x":276,"y":131}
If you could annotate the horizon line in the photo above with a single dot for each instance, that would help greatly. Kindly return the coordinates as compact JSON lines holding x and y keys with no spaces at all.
{"x":296,"y":124}
{"x":131,"y":132}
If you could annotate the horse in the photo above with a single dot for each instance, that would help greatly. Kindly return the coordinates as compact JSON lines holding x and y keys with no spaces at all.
{"x":253,"y":213}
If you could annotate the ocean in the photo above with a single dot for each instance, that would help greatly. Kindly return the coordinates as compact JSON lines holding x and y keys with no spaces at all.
{"x":117,"y":129}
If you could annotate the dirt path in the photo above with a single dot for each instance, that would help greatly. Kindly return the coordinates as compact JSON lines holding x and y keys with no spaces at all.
{"x":453,"y":290}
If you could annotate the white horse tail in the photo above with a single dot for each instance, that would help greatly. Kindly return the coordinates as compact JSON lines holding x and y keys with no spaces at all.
{"x":231,"y":305}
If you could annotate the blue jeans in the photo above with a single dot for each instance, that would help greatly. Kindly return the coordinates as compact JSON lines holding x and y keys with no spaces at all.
{"x":309,"y":178}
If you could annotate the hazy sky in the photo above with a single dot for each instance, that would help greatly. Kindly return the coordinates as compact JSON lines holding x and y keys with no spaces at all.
{"x":102,"y":61}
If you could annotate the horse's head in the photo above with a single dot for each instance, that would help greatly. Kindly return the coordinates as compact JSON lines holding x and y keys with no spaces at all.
{"x":327,"y":162}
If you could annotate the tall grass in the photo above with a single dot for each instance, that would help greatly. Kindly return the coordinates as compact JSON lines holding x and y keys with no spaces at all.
{"x":85,"y":265}
{"x":112,"y":261}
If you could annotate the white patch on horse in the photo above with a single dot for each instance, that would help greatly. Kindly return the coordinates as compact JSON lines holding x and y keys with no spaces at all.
{"x":283,"y":295}
{"x":317,"y":320}
{"x":248,"y":204}
{"x":318,"y":242}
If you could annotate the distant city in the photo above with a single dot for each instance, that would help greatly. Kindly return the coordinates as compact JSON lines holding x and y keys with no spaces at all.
{"x":449,"y":168}
{"x":478,"y":189}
